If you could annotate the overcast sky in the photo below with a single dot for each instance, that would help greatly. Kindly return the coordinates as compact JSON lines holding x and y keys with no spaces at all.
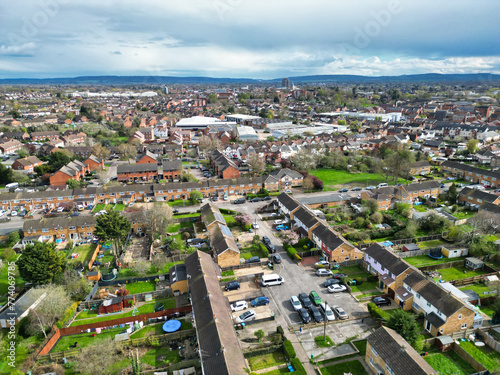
{"x":247,"y":38}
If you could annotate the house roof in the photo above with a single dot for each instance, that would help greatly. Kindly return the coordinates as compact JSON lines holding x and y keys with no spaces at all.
{"x":178,"y":273}
{"x":222,"y":240}
{"x":435,"y":320}
{"x":175,"y":165}
{"x":211,"y":213}
{"x":387,"y":259}
{"x":398,"y":354}
{"x":289,"y":202}
{"x":478,"y":194}
{"x":434,"y":294}
{"x":218,"y":344}
{"x":28,"y":161}
{"x":426,"y":185}
{"x":131,"y":168}
{"x":306,"y":217}
{"x":59,"y":222}
{"x":22,"y":304}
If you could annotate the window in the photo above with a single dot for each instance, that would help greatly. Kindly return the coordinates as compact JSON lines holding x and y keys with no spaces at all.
{"x":374,"y":351}
{"x":72,"y":228}
{"x":464,"y":326}
{"x":460,"y":316}
{"x":389,"y":370}
{"x":441,"y":330}
{"x":372,"y":362}
{"x":160,"y":191}
{"x":45,"y":230}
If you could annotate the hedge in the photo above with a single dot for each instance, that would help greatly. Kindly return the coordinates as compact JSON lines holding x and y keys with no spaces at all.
{"x":264,"y":250}
{"x":226,"y":211}
{"x":290,"y":250}
{"x":262,"y":351}
{"x":288,"y":349}
{"x":298,"y":367}
{"x":68,"y":314}
{"x":377,"y":313}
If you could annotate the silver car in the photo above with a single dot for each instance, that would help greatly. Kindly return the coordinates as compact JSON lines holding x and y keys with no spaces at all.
{"x":294,"y":300}
{"x":340,"y":312}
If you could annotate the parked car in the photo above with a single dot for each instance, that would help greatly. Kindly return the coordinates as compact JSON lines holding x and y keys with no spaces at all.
{"x":327,"y":311}
{"x":322,"y":264}
{"x":271,"y":248}
{"x":279,"y":222}
{"x":442,"y":186}
{"x":306,"y":301}
{"x":381,"y":301}
{"x":175,"y":211}
{"x":315,"y":298}
{"x":246,"y":316}
{"x":344,"y":190}
{"x":253,"y":259}
{"x":304,"y":315}
{"x":239,"y":201}
{"x":239,"y":305}
{"x":13,"y":213}
{"x":256,"y":199}
{"x":266,"y":240}
{"x":259,"y":301}
{"x":288,"y":191}
{"x":75,"y":214}
{"x":339,"y":275}
{"x":90,"y":206}
{"x":79,"y":207}
{"x":323,"y":272}
{"x":357,"y":189}
{"x":329,"y":282}
{"x":273,"y":214}
{"x":336,"y":288}
{"x":340,"y":312}
{"x":450,"y":178}
{"x":233,"y":285}
{"x":268,"y":198}
{"x":281,"y":227}
{"x":255,"y":226}
{"x":276,"y":258}
{"x":318,"y":318}
{"x":294,"y":300}
{"x":370,"y":188}
{"x":60,"y":209}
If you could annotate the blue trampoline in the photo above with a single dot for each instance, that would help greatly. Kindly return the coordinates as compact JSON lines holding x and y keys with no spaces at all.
{"x":171,"y":325}
{"x":387,"y":243}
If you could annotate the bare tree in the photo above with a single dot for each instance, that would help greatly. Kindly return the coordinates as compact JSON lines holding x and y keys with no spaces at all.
{"x":127,"y":150}
{"x":308,"y":184}
{"x":158,"y":218}
{"x":305,"y":159}
{"x":96,"y":358}
{"x":100,"y":151}
{"x":50,"y":308}
{"x":256,"y":163}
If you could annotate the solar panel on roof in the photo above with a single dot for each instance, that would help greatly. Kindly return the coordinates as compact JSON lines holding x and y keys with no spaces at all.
{"x":219,"y":217}
{"x":226,"y":231}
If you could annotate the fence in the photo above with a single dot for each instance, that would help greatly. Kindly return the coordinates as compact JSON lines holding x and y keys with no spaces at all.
{"x":405,"y":241}
{"x":244,"y":265}
{"x":187,"y":219}
{"x":132,"y":280}
{"x":471,"y":280}
{"x":490,"y":341}
{"x":91,"y":262}
{"x":109,"y":323}
{"x":139,"y":297}
{"x":305,"y":254}
{"x":456,"y":263}
{"x":416,"y":253}
{"x":468,"y":358}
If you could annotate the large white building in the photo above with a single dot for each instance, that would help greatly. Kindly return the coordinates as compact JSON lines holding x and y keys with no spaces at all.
{"x":246,"y":133}
{"x":201,"y":122}
{"x":391,"y":117}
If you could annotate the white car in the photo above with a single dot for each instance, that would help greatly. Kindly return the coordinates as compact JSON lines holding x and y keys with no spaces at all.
{"x":80,"y":207}
{"x":324,"y":272}
{"x":279,"y":222}
{"x":328,"y":313}
{"x":255,"y":226}
{"x":239,"y":305}
{"x":288,"y":191}
{"x":294,"y":300}
{"x":273,"y":214}
{"x":246,"y":316}
{"x":322,"y":264}
{"x":60,"y":209}
{"x":340,"y":312}
{"x":131,"y":204}
{"x":13,"y":213}
{"x":335,"y":288}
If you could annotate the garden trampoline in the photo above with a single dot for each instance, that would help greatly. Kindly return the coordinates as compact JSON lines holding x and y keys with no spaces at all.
{"x":171,"y":325}
{"x":436,"y":254}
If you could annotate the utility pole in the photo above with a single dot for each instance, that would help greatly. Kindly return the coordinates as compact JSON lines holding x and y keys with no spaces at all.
{"x":324,"y":325}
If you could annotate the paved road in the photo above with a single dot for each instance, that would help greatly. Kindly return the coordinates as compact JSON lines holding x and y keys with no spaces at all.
{"x":15,"y":223}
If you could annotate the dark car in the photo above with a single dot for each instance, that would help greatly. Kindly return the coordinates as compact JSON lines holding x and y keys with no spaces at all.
{"x":75,"y":214}
{"x":233,"y":285}
{"x":259,"y":301}
{"x":357,"y":189}
{"x":266,"y":240}
{"x":268,"y":198}
{"x":304,"y":315}
{"x":329,"y":282}
{"x":344,"y":190}
{"x":271,"y":248}
{"x":254,"y":259}
{"x":276,"y":258}
{"x":381,"y":301}
{"x":215,"y":199}
{"x":306,"y":301}
{"x":239,"y":201}
{"x":339,"y":275}
{"x":175,"y":211}
{"x":255,"y":200}
{"x":316,"y":314}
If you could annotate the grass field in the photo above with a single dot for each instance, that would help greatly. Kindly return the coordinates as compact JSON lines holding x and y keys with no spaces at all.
{"x":84,"y":253}
{"x":424,"y":260}
{"x":444,"y":365}
{"x":457,"y":273}
{"x":367,"y":285}
{"x":334,"y":178}
{"x":326,"y":343}
{"x":4,"y":283}
{"x":480,"y":289}
{"x":267,"y":360}
{"x":84,"y":339}
{"x":433,"y":243}
{"x":488,"y":357}
{"x":119,"y":207}
{"x":98,"y":207}
{"x":361,"y":346}
{"x":151,"y":357}
{"x":141,"y":287}
{"x":354,"y":367}
{"x":156,"y":329}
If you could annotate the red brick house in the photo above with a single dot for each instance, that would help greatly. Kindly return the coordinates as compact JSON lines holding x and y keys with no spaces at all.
{"x":94,"y":163}
{"x":26,"y":164}
{"x":74,"y":170}
{"x":137,"y":172}
{"x":10,"y":147}
{"x":172,"y":170}
{"x":42,"y":136}
{"x":223,"y":166}
{"x":147,"y":158}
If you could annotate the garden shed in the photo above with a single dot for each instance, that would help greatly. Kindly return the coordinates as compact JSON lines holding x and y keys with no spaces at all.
{"x":115,"y":304}
{"x":410,"y":247}
{"x":444,"y":342}
{"x":473,"y":263}
{"x":94,"y":276}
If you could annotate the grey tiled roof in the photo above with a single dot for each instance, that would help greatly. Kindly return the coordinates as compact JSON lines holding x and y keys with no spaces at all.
{"x":387,"y":259}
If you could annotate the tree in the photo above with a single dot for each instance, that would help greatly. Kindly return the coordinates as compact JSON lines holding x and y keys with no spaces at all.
{"x":409,"y":232}
{"x":100,"y":151}
{"x":74,"y":184}
{"x":212,"y":98}
{"x":141,"y":268}
{"x":13,"y":238}
{"x":256,"y":164}
{"x":405,"y":324}
{"x":472,"y":146}
{"x":289,"y":237}
{"x":40,"y":263}
{"x":305,"y":159}
{"x":14,"y":113}
{"x":370,"y":204}
{"x":399,"y":163}
{"x":308,"y":184}
{"x":195,"y":196}
{"x":77,"y":287}
{"x":376,"y":218}
{"x":96,"y":359}
{"x":452,"y":194}
{"x":270,"y":114}
{"x":50,"y":309}
{"x":259,"y":334}
{"x":6,"y":174}
{"x":127,"y":150}
{"x":158,"y":217}
{"x":434,"y":223}
{"x":59,"y":159}
{"x":112,"y":227}
{"x":403,"y":208}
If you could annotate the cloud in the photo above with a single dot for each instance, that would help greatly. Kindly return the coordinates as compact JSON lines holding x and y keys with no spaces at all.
{"x":116,"y":53}
{"x":20,"y":50}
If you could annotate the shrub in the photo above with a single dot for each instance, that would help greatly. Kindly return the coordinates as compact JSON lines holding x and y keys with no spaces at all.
{"x":264,"y":250}
{"x":280,"y":330}
{"x":298,"y":367}
{"x":68,"y":314}
{"x":291,"y":251}
{"x":288,"y":349}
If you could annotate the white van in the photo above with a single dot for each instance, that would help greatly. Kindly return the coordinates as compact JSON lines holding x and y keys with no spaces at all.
{"x":272,"y":279}
{"x":383,"y":184}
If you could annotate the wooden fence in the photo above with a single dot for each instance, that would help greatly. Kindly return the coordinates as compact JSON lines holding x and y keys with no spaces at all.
{"x":306,"y":254}
{"x":409,"y":240}
{"x":468,"y":358}
{"x":139,"y":297}
{"x":96,"y":252}
{"x":471,"y":280}
{"x":245,"y":265}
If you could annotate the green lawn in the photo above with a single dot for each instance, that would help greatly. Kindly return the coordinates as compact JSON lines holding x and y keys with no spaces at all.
{"x":24,"y":347}
{"x":151,"y":357}
{"x":361,"y":346}
{"x":156,"y":329}
{"x":182,"y":216}
{"x":334,"y":178}
{"x":369,"y":294}
{"x":367,"y":285}
{"x":229,"y":219}
{"x":4,"y":283}
{"x":266,"y":360}
{"x":141,"y":287}
{"x":351,"y":270}
{"x":84,"y":253}
{"x":433,"y":243}
{"x":180,"y":203}
{"x":444,"y":365}
{"x":420,"y":208}
{"x":167,"y":266}
{"x":326,"y":343}
{"x":98,"y":207}
{"x":488,"y":357}
{"x":119,"y":207}
{"x":457,"y":273}
{"x":278,"y":371}
{"x":354,"y":367}
{"x":84,"y":339}
{"x":425,"y":260}
{"x":460,"y":362}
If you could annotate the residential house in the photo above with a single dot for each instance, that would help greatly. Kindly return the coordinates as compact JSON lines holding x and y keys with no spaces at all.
{"x":13,"y":312}
{"x":80,"y":151}
{"x":288,"y":178}
{"x":334,"y":247}
{"x":42,"y":136}
{"x":94,"y":163}
{"x":424,"y":189}
{"x":137,"y":172}
{"x":74,"y":170}
{"x":476,"y":197}
{"x":147,"y":158}
{"x":471,"y":174}
{"x":420,"y":168}
{"x":26,"y":164}
{"x":65,"y":228}
{"x":389,"y":353}
{"x":223,"y":166}
{"x":10,"y":147}
{"x":172,"y":170}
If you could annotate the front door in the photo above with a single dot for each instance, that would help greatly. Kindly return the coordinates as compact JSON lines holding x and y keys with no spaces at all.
{"x":428,"y":326}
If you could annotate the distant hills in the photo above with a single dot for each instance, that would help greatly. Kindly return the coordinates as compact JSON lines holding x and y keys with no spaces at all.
{"x":167,"y":80}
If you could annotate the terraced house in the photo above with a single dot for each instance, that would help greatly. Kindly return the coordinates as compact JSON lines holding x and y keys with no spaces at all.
{"x":474,"y":197}
{"x":64,"y":228}
{"x":74,"y":170}
{"x":471,"y":174}
{"x":223,"y":166}
{"x":335,"y":248}
{"x":137,"y":172}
